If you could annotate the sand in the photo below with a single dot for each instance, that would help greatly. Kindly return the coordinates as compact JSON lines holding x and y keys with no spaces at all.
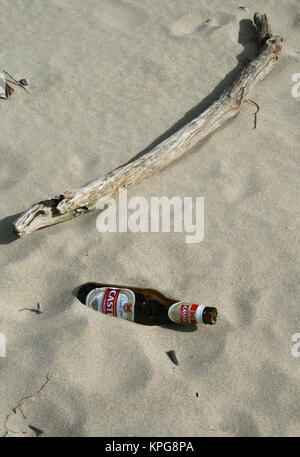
{"x":108,"y":79}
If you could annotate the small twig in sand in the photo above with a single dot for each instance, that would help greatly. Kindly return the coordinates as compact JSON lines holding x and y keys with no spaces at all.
{"x":21,"y":83}
{"x":255,"y":114}
{"x":37,"y":310}
{"x":30,"y":398}
{"x":23,"y":403}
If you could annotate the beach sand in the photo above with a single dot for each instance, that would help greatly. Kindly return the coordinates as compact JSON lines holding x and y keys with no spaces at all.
{"x":108,"y":79}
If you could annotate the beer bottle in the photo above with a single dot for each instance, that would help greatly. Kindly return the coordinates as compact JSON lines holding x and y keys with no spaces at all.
{"x":144,"y":306}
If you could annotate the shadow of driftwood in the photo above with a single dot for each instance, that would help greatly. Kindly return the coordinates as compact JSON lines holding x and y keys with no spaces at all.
{"x":248,"y":38}
{"x":7,"y":235}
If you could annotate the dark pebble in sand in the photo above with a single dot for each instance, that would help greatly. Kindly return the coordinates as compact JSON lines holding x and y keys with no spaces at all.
{"x":172,"y":356}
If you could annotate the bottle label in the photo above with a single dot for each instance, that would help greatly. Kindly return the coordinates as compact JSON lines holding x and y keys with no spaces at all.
{"x":112,"y":301}
{"x":185,"y":313}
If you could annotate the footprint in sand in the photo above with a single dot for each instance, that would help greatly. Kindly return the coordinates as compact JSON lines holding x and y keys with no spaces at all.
{"x":239,"y":189}
{"x":245,"y":306}
{"x":195,"y":22}
{"x":122,"y":15}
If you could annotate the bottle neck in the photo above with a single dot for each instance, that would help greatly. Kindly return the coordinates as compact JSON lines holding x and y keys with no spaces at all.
{"x":190,"y":313}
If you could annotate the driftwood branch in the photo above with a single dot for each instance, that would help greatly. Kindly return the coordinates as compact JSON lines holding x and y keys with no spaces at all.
{"x":75,"y":202}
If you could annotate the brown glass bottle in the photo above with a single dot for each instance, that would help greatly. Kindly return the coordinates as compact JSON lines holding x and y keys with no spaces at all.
{"x":144,"y":306}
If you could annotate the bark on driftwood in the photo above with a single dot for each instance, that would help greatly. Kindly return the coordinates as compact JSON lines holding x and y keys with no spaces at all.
{"x":75,"y":202}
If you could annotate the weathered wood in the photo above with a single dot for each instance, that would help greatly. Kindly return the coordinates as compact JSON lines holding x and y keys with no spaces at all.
{"x":75,"y":202}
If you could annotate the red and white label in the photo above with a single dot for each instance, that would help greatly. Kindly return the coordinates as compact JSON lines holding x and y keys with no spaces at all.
{"x":112,"y":301}
{"x":109,"y":301}
{"x":186,"y":313}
